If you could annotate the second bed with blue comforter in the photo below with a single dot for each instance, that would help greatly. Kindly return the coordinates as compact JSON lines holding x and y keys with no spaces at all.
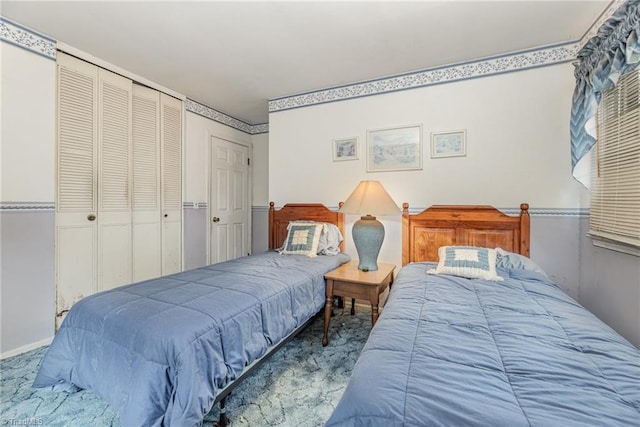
{"x":160,"y":351}
{"x":450,"y":351}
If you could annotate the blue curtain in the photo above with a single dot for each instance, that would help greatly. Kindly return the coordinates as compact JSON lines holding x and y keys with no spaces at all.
{"x":614,"y":51}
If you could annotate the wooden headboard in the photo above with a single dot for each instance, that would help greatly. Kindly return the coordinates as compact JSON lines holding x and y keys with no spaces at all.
{"x":485,"y":226}
{"x":279,"y":219}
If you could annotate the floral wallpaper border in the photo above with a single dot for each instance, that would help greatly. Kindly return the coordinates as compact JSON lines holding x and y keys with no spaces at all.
{"x":516,"y":61}
{"x":447,"y":74}
{"x":23,"y":37}
{"x":27,"y":39}
{"x":217,"y":116}
{"x":30,"y":40}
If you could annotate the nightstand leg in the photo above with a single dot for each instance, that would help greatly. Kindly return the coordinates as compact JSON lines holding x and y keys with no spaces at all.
{"x":374,"y":297}
{"x":353,"y":306}
{"x":327,"y":312}
{"x":374,"y":314}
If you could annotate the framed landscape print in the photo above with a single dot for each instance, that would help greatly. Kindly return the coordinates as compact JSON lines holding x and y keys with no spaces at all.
{"x":345,"y":149}
{"x":449,"y":144}
{"x":394,"y":149}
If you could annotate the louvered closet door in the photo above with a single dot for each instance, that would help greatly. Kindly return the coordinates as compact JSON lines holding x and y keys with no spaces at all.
{"x":76,"y":198}
{"x":114,"y":179}
{"x":171,"y":182}
{"x":147,"y":227}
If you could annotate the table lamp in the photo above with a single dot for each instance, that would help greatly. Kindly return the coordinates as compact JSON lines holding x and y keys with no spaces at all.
{"x":368,"y":199}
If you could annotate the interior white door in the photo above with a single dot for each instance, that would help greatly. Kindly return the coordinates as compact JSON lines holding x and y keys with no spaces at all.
{"x":114,"y":180}
{"x":228,"y":201}
{"x":147,"y":227}
{"x":76,"y":198}
{"x":171,"y":182}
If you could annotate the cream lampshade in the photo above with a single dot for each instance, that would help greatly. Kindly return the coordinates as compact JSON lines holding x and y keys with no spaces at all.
{"x":368,"y":199}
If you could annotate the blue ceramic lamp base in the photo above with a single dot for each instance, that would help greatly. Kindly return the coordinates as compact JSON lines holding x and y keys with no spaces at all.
{"x":368,"y":234}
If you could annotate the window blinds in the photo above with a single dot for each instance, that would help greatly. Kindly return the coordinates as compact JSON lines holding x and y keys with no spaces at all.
{"x":615,"y":196}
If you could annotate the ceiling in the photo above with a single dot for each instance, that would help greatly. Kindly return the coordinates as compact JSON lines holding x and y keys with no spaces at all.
{"x":234,"y":56}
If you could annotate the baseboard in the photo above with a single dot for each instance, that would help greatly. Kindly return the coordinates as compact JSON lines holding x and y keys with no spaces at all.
{"x":26,"y":348}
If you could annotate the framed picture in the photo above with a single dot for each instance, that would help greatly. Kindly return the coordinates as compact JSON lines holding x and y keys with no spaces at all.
{"x":345,"y":149}
{"x":394,"y":149}
{"x":449,"y":144}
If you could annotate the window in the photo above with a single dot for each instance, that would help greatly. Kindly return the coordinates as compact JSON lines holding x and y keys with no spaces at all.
{"x":615,"y":194}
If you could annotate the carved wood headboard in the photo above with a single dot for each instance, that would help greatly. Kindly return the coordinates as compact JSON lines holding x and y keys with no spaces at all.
{"x":279,"y":219}
{"x":476,"y":225}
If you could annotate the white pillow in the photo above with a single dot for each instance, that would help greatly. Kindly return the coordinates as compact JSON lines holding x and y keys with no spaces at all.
{"x":330,"y":241}
{"x":467,"y":261}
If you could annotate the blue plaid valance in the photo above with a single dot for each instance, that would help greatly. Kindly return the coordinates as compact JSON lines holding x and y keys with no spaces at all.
{"x":614,"y":51}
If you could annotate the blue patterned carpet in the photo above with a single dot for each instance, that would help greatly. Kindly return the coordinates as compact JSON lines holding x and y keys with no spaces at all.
{"x":298,"y":386}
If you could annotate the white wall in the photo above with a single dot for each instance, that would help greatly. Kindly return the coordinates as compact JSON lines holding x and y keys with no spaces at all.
{"x":27,"y":284}
{"x":199,"y":131}
{"x":260,"y":169}
{"x":28,"y":126}
{"x":260,"y":211}
{"x":517,"y":146}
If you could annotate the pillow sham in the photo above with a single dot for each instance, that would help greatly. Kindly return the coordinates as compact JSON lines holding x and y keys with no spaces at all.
{"x":467,"y":261}
{"x":330,"y":238}
{"x":302,"y":239}
{"x":514,"y":261}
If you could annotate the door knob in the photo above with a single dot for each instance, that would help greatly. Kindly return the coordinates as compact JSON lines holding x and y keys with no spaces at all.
{"x":91,"y":217}
{"x":215,"y":219}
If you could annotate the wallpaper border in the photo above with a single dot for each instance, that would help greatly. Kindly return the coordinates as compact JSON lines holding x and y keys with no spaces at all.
{"x":18,"y":35}
{"x":507,"y":63}
{"x":500,"y":64}
{"x":26,"y":38}
{"x":220,"y":117}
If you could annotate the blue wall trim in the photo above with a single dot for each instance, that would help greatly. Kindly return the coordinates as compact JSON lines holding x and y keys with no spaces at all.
{"x":194,"y":205}
{"x":26,"y":206}
{"x":555,"y":212}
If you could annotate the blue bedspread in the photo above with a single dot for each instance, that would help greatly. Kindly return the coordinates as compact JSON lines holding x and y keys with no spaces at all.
{"x":449,"y":351}
{"x":159,"y":351}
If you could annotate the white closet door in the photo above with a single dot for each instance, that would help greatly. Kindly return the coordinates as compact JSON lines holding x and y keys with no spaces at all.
{"x":147,"y":227}
{"x":76,"y":199}
{"x":114,"y":181}
{"x":171,"y":182}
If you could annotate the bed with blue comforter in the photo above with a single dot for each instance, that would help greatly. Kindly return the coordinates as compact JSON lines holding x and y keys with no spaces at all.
{"x":452,"y":351}
{"x":160,"y":351}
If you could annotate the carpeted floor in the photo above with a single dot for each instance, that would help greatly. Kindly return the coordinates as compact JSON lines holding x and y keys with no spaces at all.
{"x":298,"y":386}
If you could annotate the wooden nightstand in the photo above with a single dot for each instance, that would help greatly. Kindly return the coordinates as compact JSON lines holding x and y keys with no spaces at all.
{"x":347,"y":280}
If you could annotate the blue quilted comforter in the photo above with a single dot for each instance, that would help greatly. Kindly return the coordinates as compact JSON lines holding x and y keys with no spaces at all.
{"x":159,"y":351}
{"x":449,"y":351}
